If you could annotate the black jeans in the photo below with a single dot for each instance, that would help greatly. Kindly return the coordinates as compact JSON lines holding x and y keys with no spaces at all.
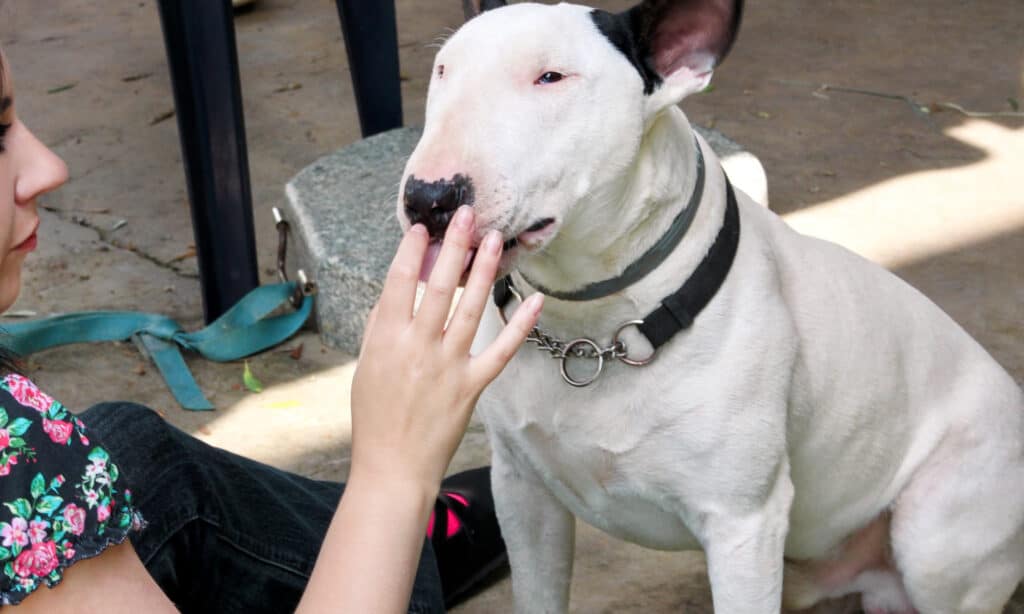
{"x":225,"y":533}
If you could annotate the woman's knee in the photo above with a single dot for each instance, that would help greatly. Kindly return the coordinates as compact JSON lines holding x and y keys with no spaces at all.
{"x":122,"y":416}
{"x":138,"y":439}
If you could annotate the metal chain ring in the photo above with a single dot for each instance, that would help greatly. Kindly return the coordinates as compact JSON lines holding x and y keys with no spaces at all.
{"x":580,"y":348}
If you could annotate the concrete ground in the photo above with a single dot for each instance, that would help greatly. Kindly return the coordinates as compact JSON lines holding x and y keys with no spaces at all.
{"x":875,"y":160}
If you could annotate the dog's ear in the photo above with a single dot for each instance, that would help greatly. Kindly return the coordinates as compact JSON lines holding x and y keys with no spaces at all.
{"x":674,"y":44}
{"x":472,"y":8}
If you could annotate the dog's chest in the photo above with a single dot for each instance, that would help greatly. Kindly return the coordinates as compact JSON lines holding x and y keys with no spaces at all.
{"x":597,"y":450}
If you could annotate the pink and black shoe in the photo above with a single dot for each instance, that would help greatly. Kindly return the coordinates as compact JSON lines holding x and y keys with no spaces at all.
{"x":463,"y":530}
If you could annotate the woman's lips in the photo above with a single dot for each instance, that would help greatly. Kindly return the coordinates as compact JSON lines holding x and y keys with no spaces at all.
{"x":28,"y":244}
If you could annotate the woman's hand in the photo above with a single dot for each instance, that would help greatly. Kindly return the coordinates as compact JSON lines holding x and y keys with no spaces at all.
{"x":412,"y":396}
{"x":416,"y":383}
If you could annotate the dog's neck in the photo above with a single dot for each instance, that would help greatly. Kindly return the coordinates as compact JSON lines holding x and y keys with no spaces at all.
{"x":622,"y":220}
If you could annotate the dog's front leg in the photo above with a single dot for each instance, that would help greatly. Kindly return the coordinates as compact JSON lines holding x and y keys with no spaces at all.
{"x":540,"y":534}
{"x":745,"y":552}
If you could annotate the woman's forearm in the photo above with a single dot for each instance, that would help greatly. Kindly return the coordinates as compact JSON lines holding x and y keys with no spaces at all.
{"x":369,"y":558}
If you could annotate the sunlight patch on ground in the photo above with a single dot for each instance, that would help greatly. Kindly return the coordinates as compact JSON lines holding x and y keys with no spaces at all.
{"x":914,"y":217}
{"x":307,"y":414}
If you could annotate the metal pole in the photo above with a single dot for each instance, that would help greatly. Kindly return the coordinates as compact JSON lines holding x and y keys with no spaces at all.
{"x":371,"y":41}
{"x":200,"y":40}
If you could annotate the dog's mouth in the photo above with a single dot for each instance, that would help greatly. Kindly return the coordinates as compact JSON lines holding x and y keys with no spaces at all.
{"x":532,"y":237}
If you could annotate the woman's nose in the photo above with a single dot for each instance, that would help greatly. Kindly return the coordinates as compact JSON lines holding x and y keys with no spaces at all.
{"x":40,"y":170}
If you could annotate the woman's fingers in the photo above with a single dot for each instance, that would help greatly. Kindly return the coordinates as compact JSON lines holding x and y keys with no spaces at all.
{"x":399,"y":293}
{"x":466,"y":319}
{"x":491,"y":361}
{"x":444,"y":279}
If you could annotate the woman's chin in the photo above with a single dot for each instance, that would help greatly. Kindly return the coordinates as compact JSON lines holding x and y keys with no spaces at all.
{"x":6,"y":302}
{"x":10,"y":288}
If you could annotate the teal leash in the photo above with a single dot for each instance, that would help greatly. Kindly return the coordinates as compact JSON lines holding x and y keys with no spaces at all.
{"x":245,"y":329}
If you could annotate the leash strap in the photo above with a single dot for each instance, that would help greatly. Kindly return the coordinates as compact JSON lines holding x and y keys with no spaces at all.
{"x":501,"y":293}
{"x":245,"y":329}
{"x":678,"y":310}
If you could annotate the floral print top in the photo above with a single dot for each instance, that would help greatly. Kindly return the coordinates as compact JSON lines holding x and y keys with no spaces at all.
{"x":61,"y":497}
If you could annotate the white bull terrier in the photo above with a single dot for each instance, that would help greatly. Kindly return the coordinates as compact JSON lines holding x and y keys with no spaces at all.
{"x":814,"y":424}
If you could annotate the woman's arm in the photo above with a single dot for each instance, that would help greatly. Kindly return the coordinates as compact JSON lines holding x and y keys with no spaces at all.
{"x":412,"y":398}
{"x":113,"y":582}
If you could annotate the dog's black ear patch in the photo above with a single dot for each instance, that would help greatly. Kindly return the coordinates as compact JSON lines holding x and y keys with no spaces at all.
{"x":621,"y":30}
{"x":472,"y":8}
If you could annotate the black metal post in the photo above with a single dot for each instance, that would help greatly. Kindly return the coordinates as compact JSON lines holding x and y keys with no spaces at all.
{"x":371,"y":41}
{"x":200,"y":40}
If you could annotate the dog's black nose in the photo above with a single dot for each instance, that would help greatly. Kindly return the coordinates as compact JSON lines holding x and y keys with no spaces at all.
{"x":433,"y":203}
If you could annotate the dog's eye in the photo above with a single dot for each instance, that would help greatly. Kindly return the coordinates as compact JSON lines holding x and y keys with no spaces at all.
{"x":549,"y":77}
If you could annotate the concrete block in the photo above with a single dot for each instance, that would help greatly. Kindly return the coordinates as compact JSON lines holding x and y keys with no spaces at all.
{"x":344,"y":233}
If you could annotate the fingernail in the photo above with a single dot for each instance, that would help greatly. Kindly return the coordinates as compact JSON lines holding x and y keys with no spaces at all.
{"x":463,"y":217}
{"x":492,"y":242}
{"x":534,"y":303}
{"x":419,"y":229}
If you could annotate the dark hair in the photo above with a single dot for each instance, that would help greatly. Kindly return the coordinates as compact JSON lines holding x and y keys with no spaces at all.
{"x":3,"y":76}
{"x":9,"y":361}
{"x":3,"y":69}
{"x":5,"y":101}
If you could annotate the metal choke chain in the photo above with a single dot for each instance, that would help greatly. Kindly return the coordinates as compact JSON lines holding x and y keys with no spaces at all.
{"x":582,"y":348}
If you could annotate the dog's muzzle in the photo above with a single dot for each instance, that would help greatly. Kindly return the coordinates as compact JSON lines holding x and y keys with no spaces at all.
{"x":433,"y":203}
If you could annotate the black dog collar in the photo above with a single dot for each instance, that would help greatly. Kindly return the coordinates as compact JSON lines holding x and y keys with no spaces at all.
{"x":650,"y":259}
{"x":678,"y":310}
